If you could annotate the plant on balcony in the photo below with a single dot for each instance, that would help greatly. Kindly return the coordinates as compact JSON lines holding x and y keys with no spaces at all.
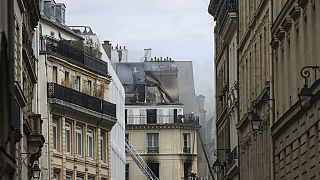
{"x":66,"y":83}
{"x":99,"y":91}
{"x":92,"y":48}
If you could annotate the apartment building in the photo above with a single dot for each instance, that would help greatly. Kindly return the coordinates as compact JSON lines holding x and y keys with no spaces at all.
{"x":225,"y":58}
{"x":74,"y":95}
{"x":296,"y":89}
{"x":21,"y":137}
{"x":155,"y":125}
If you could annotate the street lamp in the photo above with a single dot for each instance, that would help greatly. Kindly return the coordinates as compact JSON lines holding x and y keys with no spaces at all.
{"x":305,"y":94}
{"x":255,"y":121}
{"x":217,"y":166}
{"x":36,"y":170}
{"x":305,"y":97}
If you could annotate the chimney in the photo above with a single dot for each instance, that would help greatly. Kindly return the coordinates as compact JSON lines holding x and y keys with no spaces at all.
{"x":107,"y":48}
{"x":147,"y":54}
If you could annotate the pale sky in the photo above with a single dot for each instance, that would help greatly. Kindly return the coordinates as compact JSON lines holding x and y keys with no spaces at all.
{"x":180,"y":29}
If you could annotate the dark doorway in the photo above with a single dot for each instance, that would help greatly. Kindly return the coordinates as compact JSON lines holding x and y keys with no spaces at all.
{"x":151,"y":116}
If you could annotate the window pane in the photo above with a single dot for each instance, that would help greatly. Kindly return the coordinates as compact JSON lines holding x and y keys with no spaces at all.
{"x":54,"y":74}
{"x":79,"y":140}
{"x":68,"y":137}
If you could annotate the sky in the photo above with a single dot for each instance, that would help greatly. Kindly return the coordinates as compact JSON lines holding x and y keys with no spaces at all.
{"x":180,"y":29}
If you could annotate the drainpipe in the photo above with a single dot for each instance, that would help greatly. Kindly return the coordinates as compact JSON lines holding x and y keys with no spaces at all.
{"x":272,"y":108}
{"x":238,"y":81}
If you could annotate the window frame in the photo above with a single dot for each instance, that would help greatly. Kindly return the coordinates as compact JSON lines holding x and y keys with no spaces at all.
{"x":68,"y":142}
{"x":103,"y":146}
{"x":55,"y":74}
{"x":90,"y":135}
{"x":79,"y":131}
{"x":56,"y":133}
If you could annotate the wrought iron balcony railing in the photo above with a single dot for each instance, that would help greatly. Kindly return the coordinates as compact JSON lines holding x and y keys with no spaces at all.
{"x":81,"y":99}
{"x":27,"y":46}
{"x":163,"y":119}
{"x":153,"y":150}
{"x":227,"y":6}
{"x":231,"y":159}
{"x":74,"y":52}
{"x":186,"y":150}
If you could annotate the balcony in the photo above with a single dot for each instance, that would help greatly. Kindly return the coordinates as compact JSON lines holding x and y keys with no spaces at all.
{"x":163,"y":119}
{"x":75,"y":97}
{"x":153,"y":150}
{"x":35,"y":138}
{"x":186,"y":150}
{"x":29,"y":54}
{"x":227,"y":7}
{"x":76,"y":53}
{"x":231,"y":159}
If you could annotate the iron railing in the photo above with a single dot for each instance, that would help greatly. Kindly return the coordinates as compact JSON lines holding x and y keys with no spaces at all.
{"x":163,"y":119}
{"x":74,"y":52}
{"x":227,"y":6}
{"x":27,"y":45}
{"x":231,"y":159}
{"x":153,"y":150}
{"x":81,"y":99}
{"x":186,"y":150}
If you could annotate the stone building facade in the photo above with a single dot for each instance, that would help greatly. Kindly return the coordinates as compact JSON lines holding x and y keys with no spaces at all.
{"x":225,"y":35}
{"x":277,"y":60}
{"x":295,"y":131}
{"x":21,"y":137}
{"x":74,"y":96}
{"x":169,"y":147}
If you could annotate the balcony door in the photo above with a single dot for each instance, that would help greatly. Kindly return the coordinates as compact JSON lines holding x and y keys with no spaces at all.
{"x":151,"y":116}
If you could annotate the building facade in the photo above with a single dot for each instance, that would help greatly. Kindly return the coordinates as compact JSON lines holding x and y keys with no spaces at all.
{"x":295,"y":131}
{"x":74,"y":97}
{"x":154,"y":114}
{"x":169,"y":147}
{"x":278,"y":67}
{"x":21,"y":137}
{"x":225,"y":35}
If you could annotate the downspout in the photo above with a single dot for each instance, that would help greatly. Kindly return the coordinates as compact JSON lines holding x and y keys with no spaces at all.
{"x":238,"y":82}
{"x":272,"y":117}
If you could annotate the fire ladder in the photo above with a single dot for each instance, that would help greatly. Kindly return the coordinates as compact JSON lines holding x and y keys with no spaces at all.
{"x":140,"y":162}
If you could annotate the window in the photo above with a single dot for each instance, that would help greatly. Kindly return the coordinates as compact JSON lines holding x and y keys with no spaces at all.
{"x":56,"y":175}
{"x":80,"y":177}
{"x":68,"y":137}
{"x":89,"y":86}
{"x":68,"y":177}
{"x":90,"y":143}
{"x":78,"y":83}
{"x":186,"y":142}
{"x":55,"y":74}
{"x":126,"y":116}
{"x":91,"y":177}
{"x":153,"y":142}
{"x":151,"y":116}
{"x":155,"y":168}
{"x":66,"y":77}
{"x":79,"y":140}
{"x":175,"y":115}
{"x":56,"y":133}
{"x":102,"y":146}
{"x":127,"y":172}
